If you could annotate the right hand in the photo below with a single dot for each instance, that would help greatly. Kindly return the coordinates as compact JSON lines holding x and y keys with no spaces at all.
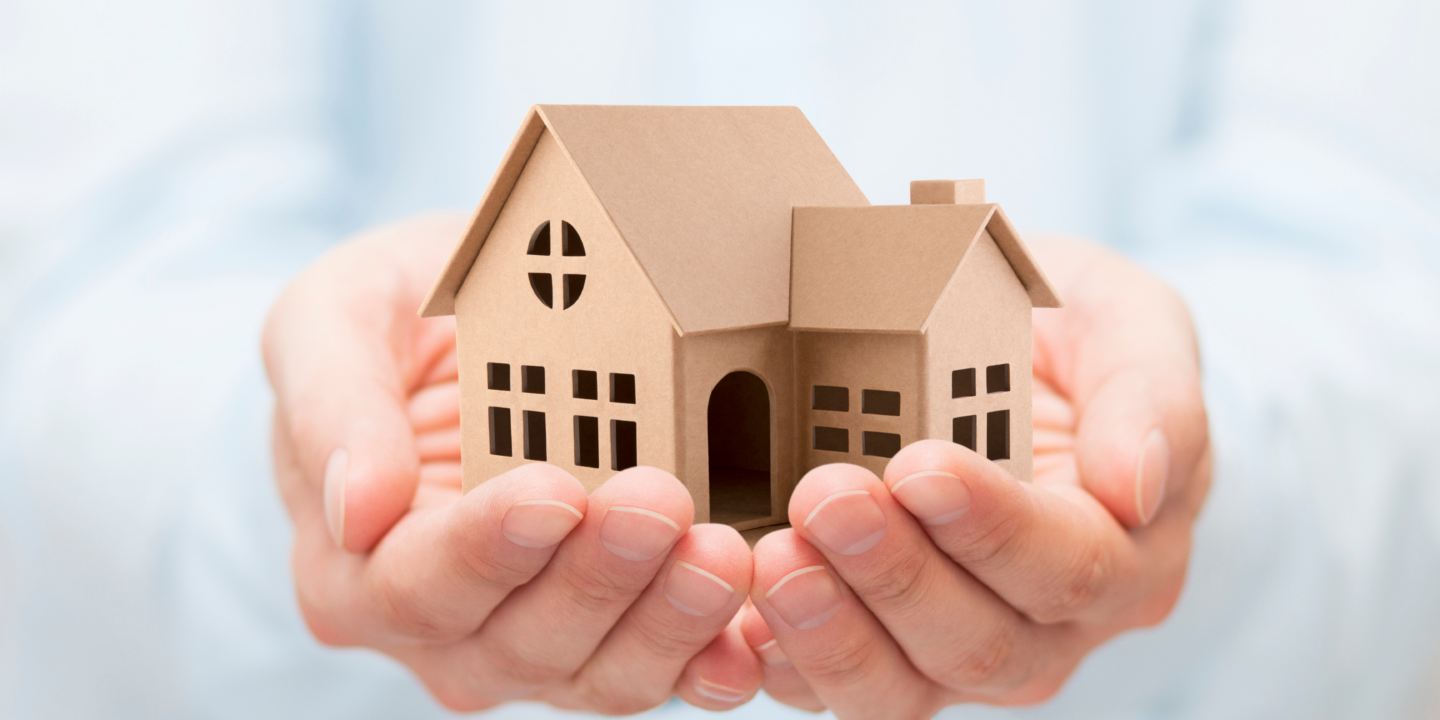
{"x":521,"y":588}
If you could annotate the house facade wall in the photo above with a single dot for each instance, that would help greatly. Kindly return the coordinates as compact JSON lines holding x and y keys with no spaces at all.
{"x":617,"y":325}
{"x":704,"y":360}
{"x":856,"y":363}
{"x":982,"y":320}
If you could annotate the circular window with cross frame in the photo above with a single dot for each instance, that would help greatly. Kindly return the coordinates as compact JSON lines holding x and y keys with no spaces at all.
{"x":543,"y":283}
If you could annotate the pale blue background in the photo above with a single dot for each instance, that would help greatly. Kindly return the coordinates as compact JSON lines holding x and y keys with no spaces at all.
{"x":166,"y":166}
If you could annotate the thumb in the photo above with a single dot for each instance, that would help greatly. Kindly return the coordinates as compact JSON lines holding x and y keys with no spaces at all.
{"x":332,"y":349}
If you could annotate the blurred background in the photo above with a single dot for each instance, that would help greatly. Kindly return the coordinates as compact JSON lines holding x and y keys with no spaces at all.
{"x":166,"y":167}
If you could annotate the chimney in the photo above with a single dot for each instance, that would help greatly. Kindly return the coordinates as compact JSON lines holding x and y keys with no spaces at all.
{"x":947,"y":192}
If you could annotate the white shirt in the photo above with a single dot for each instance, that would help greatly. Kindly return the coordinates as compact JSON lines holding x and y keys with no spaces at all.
{"x":166,"y":167}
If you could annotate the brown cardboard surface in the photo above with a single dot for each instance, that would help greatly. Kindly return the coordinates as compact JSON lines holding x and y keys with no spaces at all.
{"x":441,"y":300}
{"x":616,"y":326}
{"x":769,"y":354}
{"x":947,"y":192}
{"x":702,"y":195}
{"x":856,"y":362}
{"x":877,"y":269}
{"x":982,"y":319}
{"x":721,"y":272}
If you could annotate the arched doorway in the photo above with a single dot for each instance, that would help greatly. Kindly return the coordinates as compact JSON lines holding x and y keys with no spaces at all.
{"x":739,"y":439}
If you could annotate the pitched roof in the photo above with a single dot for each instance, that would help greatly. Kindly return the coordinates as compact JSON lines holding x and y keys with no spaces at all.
{"x":701,"y":195}
{"x":883,"y":268}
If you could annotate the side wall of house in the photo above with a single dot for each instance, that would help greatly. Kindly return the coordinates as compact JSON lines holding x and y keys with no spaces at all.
{"x":982,"y":321}
{"x":705,"y":360}
{"x":856,"y":363}
{"x":616,"y":326}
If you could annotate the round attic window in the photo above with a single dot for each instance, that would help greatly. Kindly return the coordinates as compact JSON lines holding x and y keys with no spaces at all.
{"x":543,"y":283}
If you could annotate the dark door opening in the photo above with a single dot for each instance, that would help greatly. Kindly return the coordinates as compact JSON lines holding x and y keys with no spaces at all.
{"x":739,"y":438}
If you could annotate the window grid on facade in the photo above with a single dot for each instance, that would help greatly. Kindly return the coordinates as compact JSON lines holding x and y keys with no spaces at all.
{"x":879,"y":444}
{"x":586,"y":384}
{"x":532,"y":379}
{"x":830,"y":439}
{"x":829,"y":397}
{"x":622,"y":388}
{"x":622,"y":444}
{"x":534,"y":431}
{"x":997,"y":435}
{"x":997,"y":378}
{"x":497,"y":376}
{"x":587,"y":441}
{"x":880,"y":402}
{"x":962,"y":431}
{"x":500,"y":431}
{"x":962,"y":383}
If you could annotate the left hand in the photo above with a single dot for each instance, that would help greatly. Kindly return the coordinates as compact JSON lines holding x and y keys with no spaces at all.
{"x":949,"y":581}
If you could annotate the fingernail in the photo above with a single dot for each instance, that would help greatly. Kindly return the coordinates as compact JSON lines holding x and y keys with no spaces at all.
{"x":539,"y":523}
{"x":696,"y":592}
{"x":1151,"y":474}
{"x":716,"y":691}
{"x":771,"y":654}
{"x":807,"y":598}
{"x":847,"y":523}
{"x":636,"y":533}
{"x":336,"y":468}
{"x":935,"y":497}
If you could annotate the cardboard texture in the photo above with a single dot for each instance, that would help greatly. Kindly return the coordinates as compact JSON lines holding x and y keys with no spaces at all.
{"x":706,"y":291}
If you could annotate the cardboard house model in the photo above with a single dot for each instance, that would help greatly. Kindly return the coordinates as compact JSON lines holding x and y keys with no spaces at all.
{"x":705,"y":290}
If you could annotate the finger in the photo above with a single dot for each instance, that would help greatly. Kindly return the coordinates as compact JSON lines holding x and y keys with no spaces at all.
{"x":545,"y":631}
{"x":441,"y":571}
{"x":1132,"y":370}
{"x":953,"y":628}
{"x":1053,"y":553}
{"x":725,"y":675}
{"x":435,"y":407}
{"x":782,"y":681}
{"x":687,"y":605}
{"x":839,"y":648}
{"x":337,"y":347}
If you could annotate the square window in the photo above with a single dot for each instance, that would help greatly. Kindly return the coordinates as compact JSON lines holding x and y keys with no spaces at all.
{"x":622,"y":388}
{"x":500,"y":431}
{"x":586,"y":384}
{"x":997,"y":378}
{"x":498,"y":375}
{"x":587,"y":441}
{"x":880,"y":444}
{"x":532,"y":379}
{"x":534,"y":423}
{"x":962,"y":431}
{"x":622,"y":444}
{"x":880,"y":402}
{"x":828,"y":397}
{"x":997,"y":435}
{"x":962,"y":383}
{"x":832,"y":439}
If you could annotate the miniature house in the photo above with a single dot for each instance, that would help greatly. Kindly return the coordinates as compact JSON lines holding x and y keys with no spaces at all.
{"x":705,"y":290}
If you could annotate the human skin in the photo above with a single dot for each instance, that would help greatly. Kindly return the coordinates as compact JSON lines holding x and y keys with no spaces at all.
{"x":947,"y":580}
{"x":502,"y":593}
{"x":521,"y":588}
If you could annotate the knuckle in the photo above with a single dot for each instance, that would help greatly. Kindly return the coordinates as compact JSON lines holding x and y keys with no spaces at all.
{"x":986,"y":664}
{"x":622,"y":698}
{"x":995,"y":543}
{"x":840,"y":665}
{"x":590,"y":589}
{"x":486,"y":567}
{"x":521,"y":668}
{"x":406,"y":615}
{"x":898,"y":586}
{"x":1076,"y":590}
